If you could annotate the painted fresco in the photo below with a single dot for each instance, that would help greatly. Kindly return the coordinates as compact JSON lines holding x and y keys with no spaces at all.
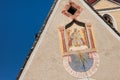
{"x":80,"y":57}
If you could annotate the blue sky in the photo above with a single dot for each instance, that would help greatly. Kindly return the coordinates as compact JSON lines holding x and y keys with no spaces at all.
{"x":20,"y":20}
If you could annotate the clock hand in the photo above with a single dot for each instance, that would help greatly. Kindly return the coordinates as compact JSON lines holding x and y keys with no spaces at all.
{"x":82,"y":59}
{"x":85,"y":70}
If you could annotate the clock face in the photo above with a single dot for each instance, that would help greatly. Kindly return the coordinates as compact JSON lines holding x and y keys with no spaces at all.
{"x":80,"y":62}
{"x":81,"y":66}
{"x":80,"y":57}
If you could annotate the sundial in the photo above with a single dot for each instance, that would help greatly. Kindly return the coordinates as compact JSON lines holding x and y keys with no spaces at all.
{"x":80,"y":57}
